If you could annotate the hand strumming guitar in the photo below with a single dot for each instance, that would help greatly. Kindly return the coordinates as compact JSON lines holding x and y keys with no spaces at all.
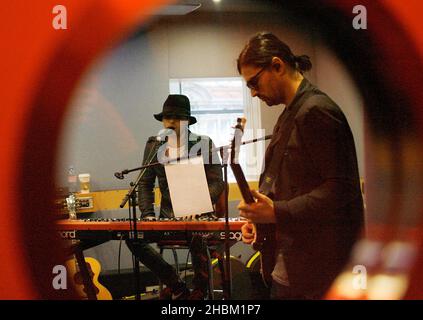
{"x":248,"y":234}
{"x":261,"y":211}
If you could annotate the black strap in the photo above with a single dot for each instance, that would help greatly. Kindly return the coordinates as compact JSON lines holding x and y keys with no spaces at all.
{"x":270,"y":173}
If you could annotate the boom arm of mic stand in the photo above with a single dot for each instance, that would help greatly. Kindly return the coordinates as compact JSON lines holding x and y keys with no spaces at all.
{"x":222,"y":149}
{"x":149,"y":164}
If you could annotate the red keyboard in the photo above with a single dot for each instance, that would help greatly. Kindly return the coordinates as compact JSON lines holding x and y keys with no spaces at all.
{"x":152,"y":231}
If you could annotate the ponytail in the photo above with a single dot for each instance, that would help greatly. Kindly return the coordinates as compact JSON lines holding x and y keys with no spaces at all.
{"x":302,"y":63}
{"x":262,"y":47}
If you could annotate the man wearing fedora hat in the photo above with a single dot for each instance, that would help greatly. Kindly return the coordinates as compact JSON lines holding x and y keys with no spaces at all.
{"x":176,"y":106}
{"x":175,"y":117}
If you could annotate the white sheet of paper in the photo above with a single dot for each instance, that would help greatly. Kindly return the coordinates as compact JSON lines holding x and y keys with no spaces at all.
{"x":188,"y":187}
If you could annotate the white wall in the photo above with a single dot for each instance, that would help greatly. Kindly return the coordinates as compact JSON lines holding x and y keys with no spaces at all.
{"x":333,"y":78}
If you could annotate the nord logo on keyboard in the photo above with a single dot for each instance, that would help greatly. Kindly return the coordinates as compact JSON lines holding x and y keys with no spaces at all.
{"x":67,"y":234}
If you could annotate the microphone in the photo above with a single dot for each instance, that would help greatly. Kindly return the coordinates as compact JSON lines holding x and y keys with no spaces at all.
{"x":162,"y":136}
{"x":165,"y":133}
{"x":119,"y":175}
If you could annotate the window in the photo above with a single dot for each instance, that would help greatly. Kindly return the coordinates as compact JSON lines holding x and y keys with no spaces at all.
{"x":217,"y":103}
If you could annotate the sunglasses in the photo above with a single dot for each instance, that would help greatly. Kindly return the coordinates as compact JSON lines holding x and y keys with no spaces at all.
{"x":253,"y":82}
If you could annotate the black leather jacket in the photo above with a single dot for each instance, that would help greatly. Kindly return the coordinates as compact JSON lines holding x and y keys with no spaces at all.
{"x":146,"y":186}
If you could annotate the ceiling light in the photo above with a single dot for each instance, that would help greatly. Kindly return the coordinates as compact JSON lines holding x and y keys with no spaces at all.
{"x":177,"y":9}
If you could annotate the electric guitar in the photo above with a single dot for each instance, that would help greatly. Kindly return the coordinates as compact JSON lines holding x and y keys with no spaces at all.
{"x":92,"y":265}
{"x":264,"y":239}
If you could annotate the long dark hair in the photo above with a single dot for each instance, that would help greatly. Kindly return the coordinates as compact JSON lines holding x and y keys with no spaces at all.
{"x":262,"y":47}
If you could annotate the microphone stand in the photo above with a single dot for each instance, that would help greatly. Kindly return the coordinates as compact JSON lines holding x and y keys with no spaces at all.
{"x":131,"y":197}
{"x":227,"y":282}
{"x":226,"y":275}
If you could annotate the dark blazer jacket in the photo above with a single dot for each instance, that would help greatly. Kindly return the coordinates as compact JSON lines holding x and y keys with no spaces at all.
{"x":146,"y":186}
{"x":317,"y":197}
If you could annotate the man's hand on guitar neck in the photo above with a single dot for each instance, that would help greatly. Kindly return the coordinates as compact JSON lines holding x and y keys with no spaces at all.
{"x":261,"y":211}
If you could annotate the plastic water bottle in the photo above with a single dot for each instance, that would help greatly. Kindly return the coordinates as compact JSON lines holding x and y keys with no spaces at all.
{"x":72,"y":180}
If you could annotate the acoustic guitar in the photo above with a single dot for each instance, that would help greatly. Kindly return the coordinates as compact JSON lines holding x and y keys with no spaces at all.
{"x":264,"y":240}
{"x":92,"y":265}
{"x":94,"y":269}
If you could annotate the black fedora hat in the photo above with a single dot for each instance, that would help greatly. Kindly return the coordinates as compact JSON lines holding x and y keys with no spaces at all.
{"x":176,"y":106}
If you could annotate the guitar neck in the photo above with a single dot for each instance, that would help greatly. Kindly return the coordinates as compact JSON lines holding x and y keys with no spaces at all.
{"x":236,"y":168}
{"x":242,"y":183}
